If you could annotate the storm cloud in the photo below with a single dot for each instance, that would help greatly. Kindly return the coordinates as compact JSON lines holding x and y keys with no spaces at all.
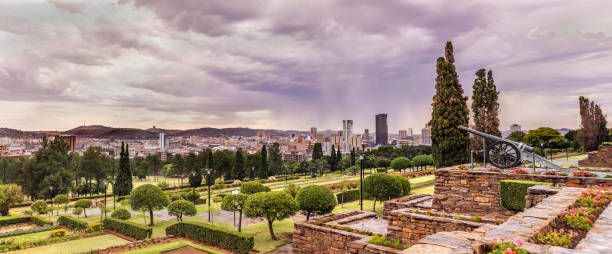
{"x":293,"y":64}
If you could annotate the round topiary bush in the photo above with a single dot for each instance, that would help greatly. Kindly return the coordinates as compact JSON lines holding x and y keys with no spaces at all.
{"x":381,"y":187}
{"x":253,"y":187}
{"x":40,"y":206}
{"x":181,"y":208}
{"x":315,"y":200}
{"x":400,"y":163}
{"x":122,"y":214}
{"x":404,"y":182}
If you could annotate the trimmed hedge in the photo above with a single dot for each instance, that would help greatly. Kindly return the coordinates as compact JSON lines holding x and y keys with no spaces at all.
{"x":512,"y":193}
{"x":13,"y":220}
{"x":39,"y":221}
{"x":27,"y":231}
{"x":349,"y":196}
{"x":128,"y":228}
{"x":212,"y":235}
{"x":72,"y":223}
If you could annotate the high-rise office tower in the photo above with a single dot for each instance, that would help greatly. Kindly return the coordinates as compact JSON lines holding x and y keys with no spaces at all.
{"x":162,"y":141}
{"x":426,"y":135}
{"x":403,"y":134}
{"x":313,"y":132}
{"x":366,"y":135}
{"x":382,"y":129}
{"x":347,"y":132}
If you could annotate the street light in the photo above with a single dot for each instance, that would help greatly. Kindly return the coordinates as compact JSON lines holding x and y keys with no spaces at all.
{"x":105,"y":185}
{"x":208,"y":182}
{"x":361,"y":182}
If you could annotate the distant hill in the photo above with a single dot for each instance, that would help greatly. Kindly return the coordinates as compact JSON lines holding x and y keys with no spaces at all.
{"x":99,"y":131}
{"x":13,"y":133}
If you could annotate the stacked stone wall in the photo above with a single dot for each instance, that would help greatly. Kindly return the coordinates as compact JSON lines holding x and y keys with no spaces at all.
{"x":601,"y":158}
{"x":535,"y":194}
{"x":477,"y":192}
{"x":404,"y":202}
{"x":410,"y":227}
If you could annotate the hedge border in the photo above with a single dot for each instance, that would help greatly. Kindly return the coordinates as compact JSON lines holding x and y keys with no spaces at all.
{"x":128,"y":228}
{"x":512,"y":193}
{"x":72,"y":223}
{"x":212,"y":235}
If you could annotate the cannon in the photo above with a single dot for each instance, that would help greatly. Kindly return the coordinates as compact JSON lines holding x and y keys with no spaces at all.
{"x":504,"y":153}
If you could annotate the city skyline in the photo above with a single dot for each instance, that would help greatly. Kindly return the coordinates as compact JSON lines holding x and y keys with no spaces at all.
{"x":292,"y":65}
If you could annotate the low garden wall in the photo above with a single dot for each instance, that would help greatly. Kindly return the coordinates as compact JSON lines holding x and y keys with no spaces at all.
{"x":535,"y":194}
{"x":409,"y":227}
{"x":404,"y":202}
{"x":477,"y":192}
{"x":601,"y":158}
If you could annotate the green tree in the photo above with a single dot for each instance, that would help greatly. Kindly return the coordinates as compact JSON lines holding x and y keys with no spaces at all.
{"x":123,"y":183}
{"x":235,"y":203}
{"x":450,"y":145}
{"x":315,"y":200}
{"x":320,"y":165}
{"x":593,"y":123}
{"x":62,"y":199}
{"x":275,"y":160}
{"x":178,"y":167}
{"x":317,"y":151}
{"x":292,"y":190}
{"x":422,"y":161}
{"x":401,"y":163}
{"x":83,"y":204}
{"x":9,"y":195}
{"x":572,"y":139}
{"x":381,"y":187}
{"x":252,"y":164}
{"x":516,"y":136}
{"x":39,"y":206}
{"x":253,"y":187}
{"x":273,"y":206}
{"x":405,"y":183}
{"x":263,"y":168}
{"x":353,"y":156}
{"x":383,"y":163}
{"x":50,"y":167}
{"x":223,"y":163}
{"x":239,"y":169}
{"x":180,"y":208}
{"x":545,"y":137}
{"x":121,"y":214}
{"x":485,"y":107}
{"x":195,"y":178}
{"x":333,"y":160}
{"x":148,"y":197}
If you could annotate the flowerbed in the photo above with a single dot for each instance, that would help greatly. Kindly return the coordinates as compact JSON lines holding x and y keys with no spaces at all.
{"x":583,"y":173}
{"x":502,"y":246}
{"x":578,"y":220}
{"x":520,"y":171}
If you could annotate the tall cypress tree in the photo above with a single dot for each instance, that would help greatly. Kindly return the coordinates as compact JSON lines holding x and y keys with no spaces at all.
{"x":275,"y":160}
{"x":263,"y":169}
{"x":317,"y":151}
{"x":338,"y":155}
{"x":449,"y":144}
{"x":353,"y":155}
{"x":239,"y":172}
{"x":123,"y":183}
{"x":485,"y":107}
{"x":333,"y":159}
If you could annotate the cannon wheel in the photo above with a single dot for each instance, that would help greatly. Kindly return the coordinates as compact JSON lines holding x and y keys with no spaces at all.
{"x":504,"y":154}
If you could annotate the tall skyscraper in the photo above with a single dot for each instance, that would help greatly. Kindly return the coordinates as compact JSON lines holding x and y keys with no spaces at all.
{"x":313,"y":132}
{"x":366,"y":135}
{"x":382,"y":129}
{"x":162,"y":141}
{"x":515,"y":128}
{"x":426,"y":135}
{"x":403,"y":134}
{"x":347,"y":132}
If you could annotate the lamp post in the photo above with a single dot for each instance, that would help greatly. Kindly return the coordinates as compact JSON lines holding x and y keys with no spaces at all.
{"x":208,"y":180}
{"x":105,"y":185}
{"x":361,"y":182}
{"x":114,"y":199}
{"x":51,"y":197}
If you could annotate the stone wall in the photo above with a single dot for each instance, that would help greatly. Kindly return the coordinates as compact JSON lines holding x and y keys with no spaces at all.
{"x":535,"y":194}
{"x":404,"y":202}
{"x":477,"y":192}
{"x":601,"y":158}
{"x":410,"y":227}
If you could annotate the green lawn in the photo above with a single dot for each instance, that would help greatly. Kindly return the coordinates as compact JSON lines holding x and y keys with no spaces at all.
{"x":77,"y":246}
{"x":171,"y":246}
{"x":367,"y":206}
{"x":33,"y":236}
{"x":426,"y":190}
{"x":263,"y":242}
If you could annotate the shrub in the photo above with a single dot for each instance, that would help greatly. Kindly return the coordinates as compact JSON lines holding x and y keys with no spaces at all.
{"x":27,"y":231}
{"x":512,"y":193}
{"x":383,"y":163}
{"x":292,"y":190}
{"x":272,"y":206}
{"x":58,"y":232}
{"x":191,"y":196}
{"x":175,"y":196}
{"x":84,"y":204}
{"x":148,"y":197}
{"x":163,"y":185}
{"x":128,"y":228}
{"x":71,"y":223}
{"x":315,"y":200}
{"x":404,"y":183}
{"x":95,"y":226}
{"x":400,"y":163}
{"x":181,"y":207}
{"x":348,"y":196}
{"x":579,"y":218}
{"x":40,"y":221}
{"x":200,"y":201}
{"x":235,"y":202}
{"x":382,"y":240}
{"x":77,"y":211}
{"x":381,"y":187}
{"x":212,"y":235}
{"x":476,"y":219}
{"x":253,"y":187}
{"x":40,"y":206}
{"x":121,"y":214}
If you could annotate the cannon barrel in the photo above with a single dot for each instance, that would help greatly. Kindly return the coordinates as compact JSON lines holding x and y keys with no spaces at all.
{"x":521,"y":146}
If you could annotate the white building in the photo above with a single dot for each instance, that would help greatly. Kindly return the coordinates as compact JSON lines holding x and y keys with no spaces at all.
{"x":162,"y":141}
{"x":347,"y":132}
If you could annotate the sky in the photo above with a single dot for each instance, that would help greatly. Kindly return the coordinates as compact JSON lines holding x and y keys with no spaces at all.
{"x":287,"y":64}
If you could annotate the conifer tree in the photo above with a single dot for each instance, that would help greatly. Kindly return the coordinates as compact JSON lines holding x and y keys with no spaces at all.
{"x":593,"y":125}
{"x":449,"y":144}
{"x":263,"y":169}
{"x":123,"y":184}
{"x":338,"y":155}
{"x":275,"y":160}
{"x":353,"y":155}
{"x":239,"y":172}
{"x":333,"y":159}
{"x":485,"y":107}
{"x":317,"y":152}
